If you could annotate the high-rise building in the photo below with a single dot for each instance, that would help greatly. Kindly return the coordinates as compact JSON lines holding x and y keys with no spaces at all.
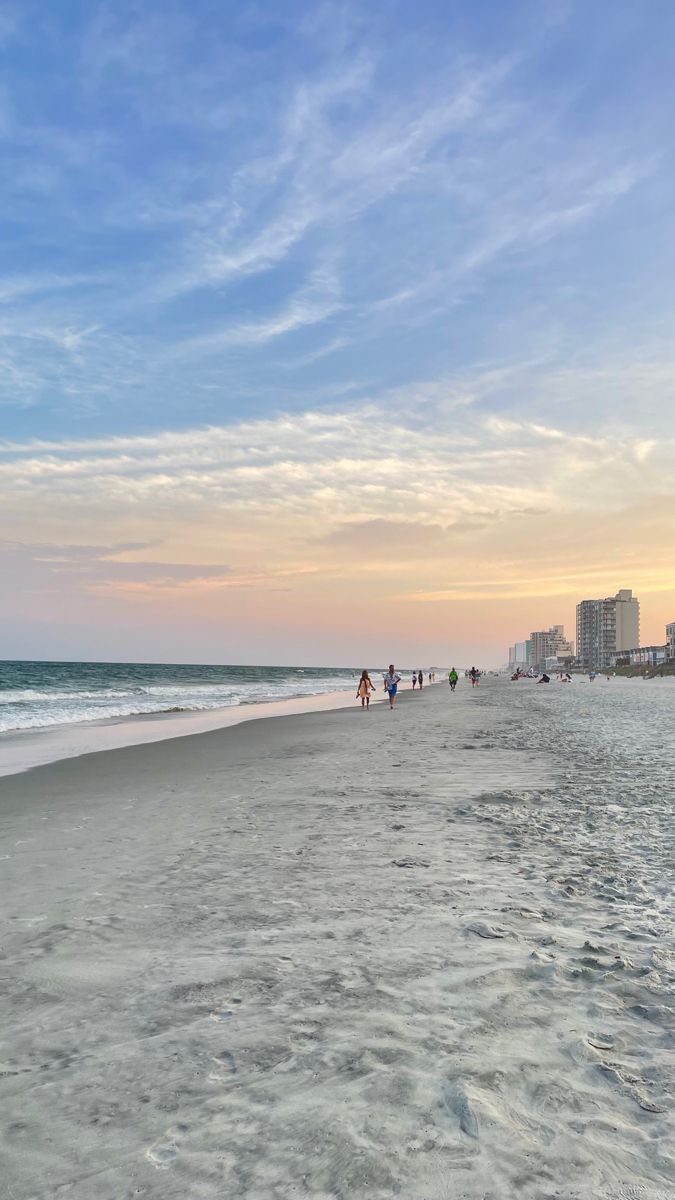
{"x":627,"y":620}
{"x":605,"y":626}
{"x":670,"y":642}
{"x":519,"y":654}
{"x":520,"y":658}
{"x":549,"y":643}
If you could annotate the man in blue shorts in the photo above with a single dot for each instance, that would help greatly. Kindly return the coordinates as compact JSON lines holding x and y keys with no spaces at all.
{"x":391,"y":682}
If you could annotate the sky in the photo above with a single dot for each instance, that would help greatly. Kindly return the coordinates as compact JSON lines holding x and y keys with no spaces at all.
{"x":333,"y":332}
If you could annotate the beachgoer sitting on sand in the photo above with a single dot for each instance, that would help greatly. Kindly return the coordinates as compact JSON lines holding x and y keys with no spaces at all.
{"x":366,"y":686}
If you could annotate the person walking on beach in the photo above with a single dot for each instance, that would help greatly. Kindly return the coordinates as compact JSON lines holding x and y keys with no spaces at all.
{"x":414,"y":681}
{"x":366,"y":686}
{"x":452,"y":679}
{"x":420,"y":679}
{"x":391,"y":682}
{"x":475,"y":677}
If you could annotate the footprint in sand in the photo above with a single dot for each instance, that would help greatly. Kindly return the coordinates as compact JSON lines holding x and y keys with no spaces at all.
{"x":167,"y":1148}
{"x":486,"y":931}
{"x":628,"y":1085}
{"x":226,"y":1065}
{"x":456,"y":1102}
{"x":601,"y":1041}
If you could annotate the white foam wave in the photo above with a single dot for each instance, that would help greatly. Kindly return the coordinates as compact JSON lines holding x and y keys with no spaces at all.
{"x":22,"y":709}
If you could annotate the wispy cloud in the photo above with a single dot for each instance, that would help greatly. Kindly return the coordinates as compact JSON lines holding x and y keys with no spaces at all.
{"x":18,"y":286}
{"x":305,"y":360}
{"x":317,"y":300}
{"x":317,"y":178}
{"x":64,"y":568}
{"x":470,"y":508}
{"x":361,"y":463}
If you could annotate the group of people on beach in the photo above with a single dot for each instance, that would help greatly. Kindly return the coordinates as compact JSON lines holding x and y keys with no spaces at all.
{"x":391,"y":678}
{"x":418,"y":679}
{"x":391,"y":681}
{"x":562,"y":676}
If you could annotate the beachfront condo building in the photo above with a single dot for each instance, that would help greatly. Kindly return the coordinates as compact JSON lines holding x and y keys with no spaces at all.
{"x":519,"y":654}
{"x":670,"y":642}
{"x":639,"y":656}
{"x":606,"y":626}
{"x":627,"y":609}
{"x":548,"y":644}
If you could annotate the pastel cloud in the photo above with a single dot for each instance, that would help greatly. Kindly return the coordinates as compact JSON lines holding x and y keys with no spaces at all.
{"x":463,"y":507}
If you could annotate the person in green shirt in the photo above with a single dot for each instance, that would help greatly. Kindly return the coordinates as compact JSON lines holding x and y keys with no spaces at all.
{"x":452,"y":679}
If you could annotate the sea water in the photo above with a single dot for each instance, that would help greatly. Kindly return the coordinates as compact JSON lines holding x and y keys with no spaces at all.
{"x":38,"y":695}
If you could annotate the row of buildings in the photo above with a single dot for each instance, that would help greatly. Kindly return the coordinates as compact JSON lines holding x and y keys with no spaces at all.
{"x":607,"y":635}
{"x":543,"y":649}
{"x":647,"y":656}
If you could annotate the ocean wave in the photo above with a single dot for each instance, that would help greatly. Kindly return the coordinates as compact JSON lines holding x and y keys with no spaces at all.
{"x":50,"y":696}
{"x":31,"y":696}
{"x":30,"y":708}
{"x":14,"y":722}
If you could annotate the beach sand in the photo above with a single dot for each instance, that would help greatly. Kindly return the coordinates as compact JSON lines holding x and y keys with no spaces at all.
{"x":340,"y":955}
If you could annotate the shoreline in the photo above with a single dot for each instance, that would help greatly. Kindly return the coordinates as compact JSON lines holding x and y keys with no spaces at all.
{"x":24,"y":749}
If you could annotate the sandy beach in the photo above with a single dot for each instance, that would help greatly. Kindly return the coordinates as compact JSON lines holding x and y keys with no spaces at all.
{"x":347,"y":955}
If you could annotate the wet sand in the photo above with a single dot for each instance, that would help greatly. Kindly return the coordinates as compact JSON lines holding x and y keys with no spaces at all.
{"x":22,"y":749}
{"x":342,"y":955}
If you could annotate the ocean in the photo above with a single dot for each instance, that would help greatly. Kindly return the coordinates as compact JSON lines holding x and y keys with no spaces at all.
{"x":38,"y":695}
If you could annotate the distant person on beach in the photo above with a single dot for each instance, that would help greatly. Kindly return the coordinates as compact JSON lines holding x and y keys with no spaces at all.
{"x":420,"y":679}
{"x":414,"y":680}
{"x":391,"y":682}
{"x":366,"y":686}
{"x":475,"y":677}
{"x":544,"y":679}
{"x":452,"y":679}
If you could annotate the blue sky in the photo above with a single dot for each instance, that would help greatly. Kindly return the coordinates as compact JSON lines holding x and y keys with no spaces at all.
{"x":454,"y":217}
{"x":216,"y":210}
